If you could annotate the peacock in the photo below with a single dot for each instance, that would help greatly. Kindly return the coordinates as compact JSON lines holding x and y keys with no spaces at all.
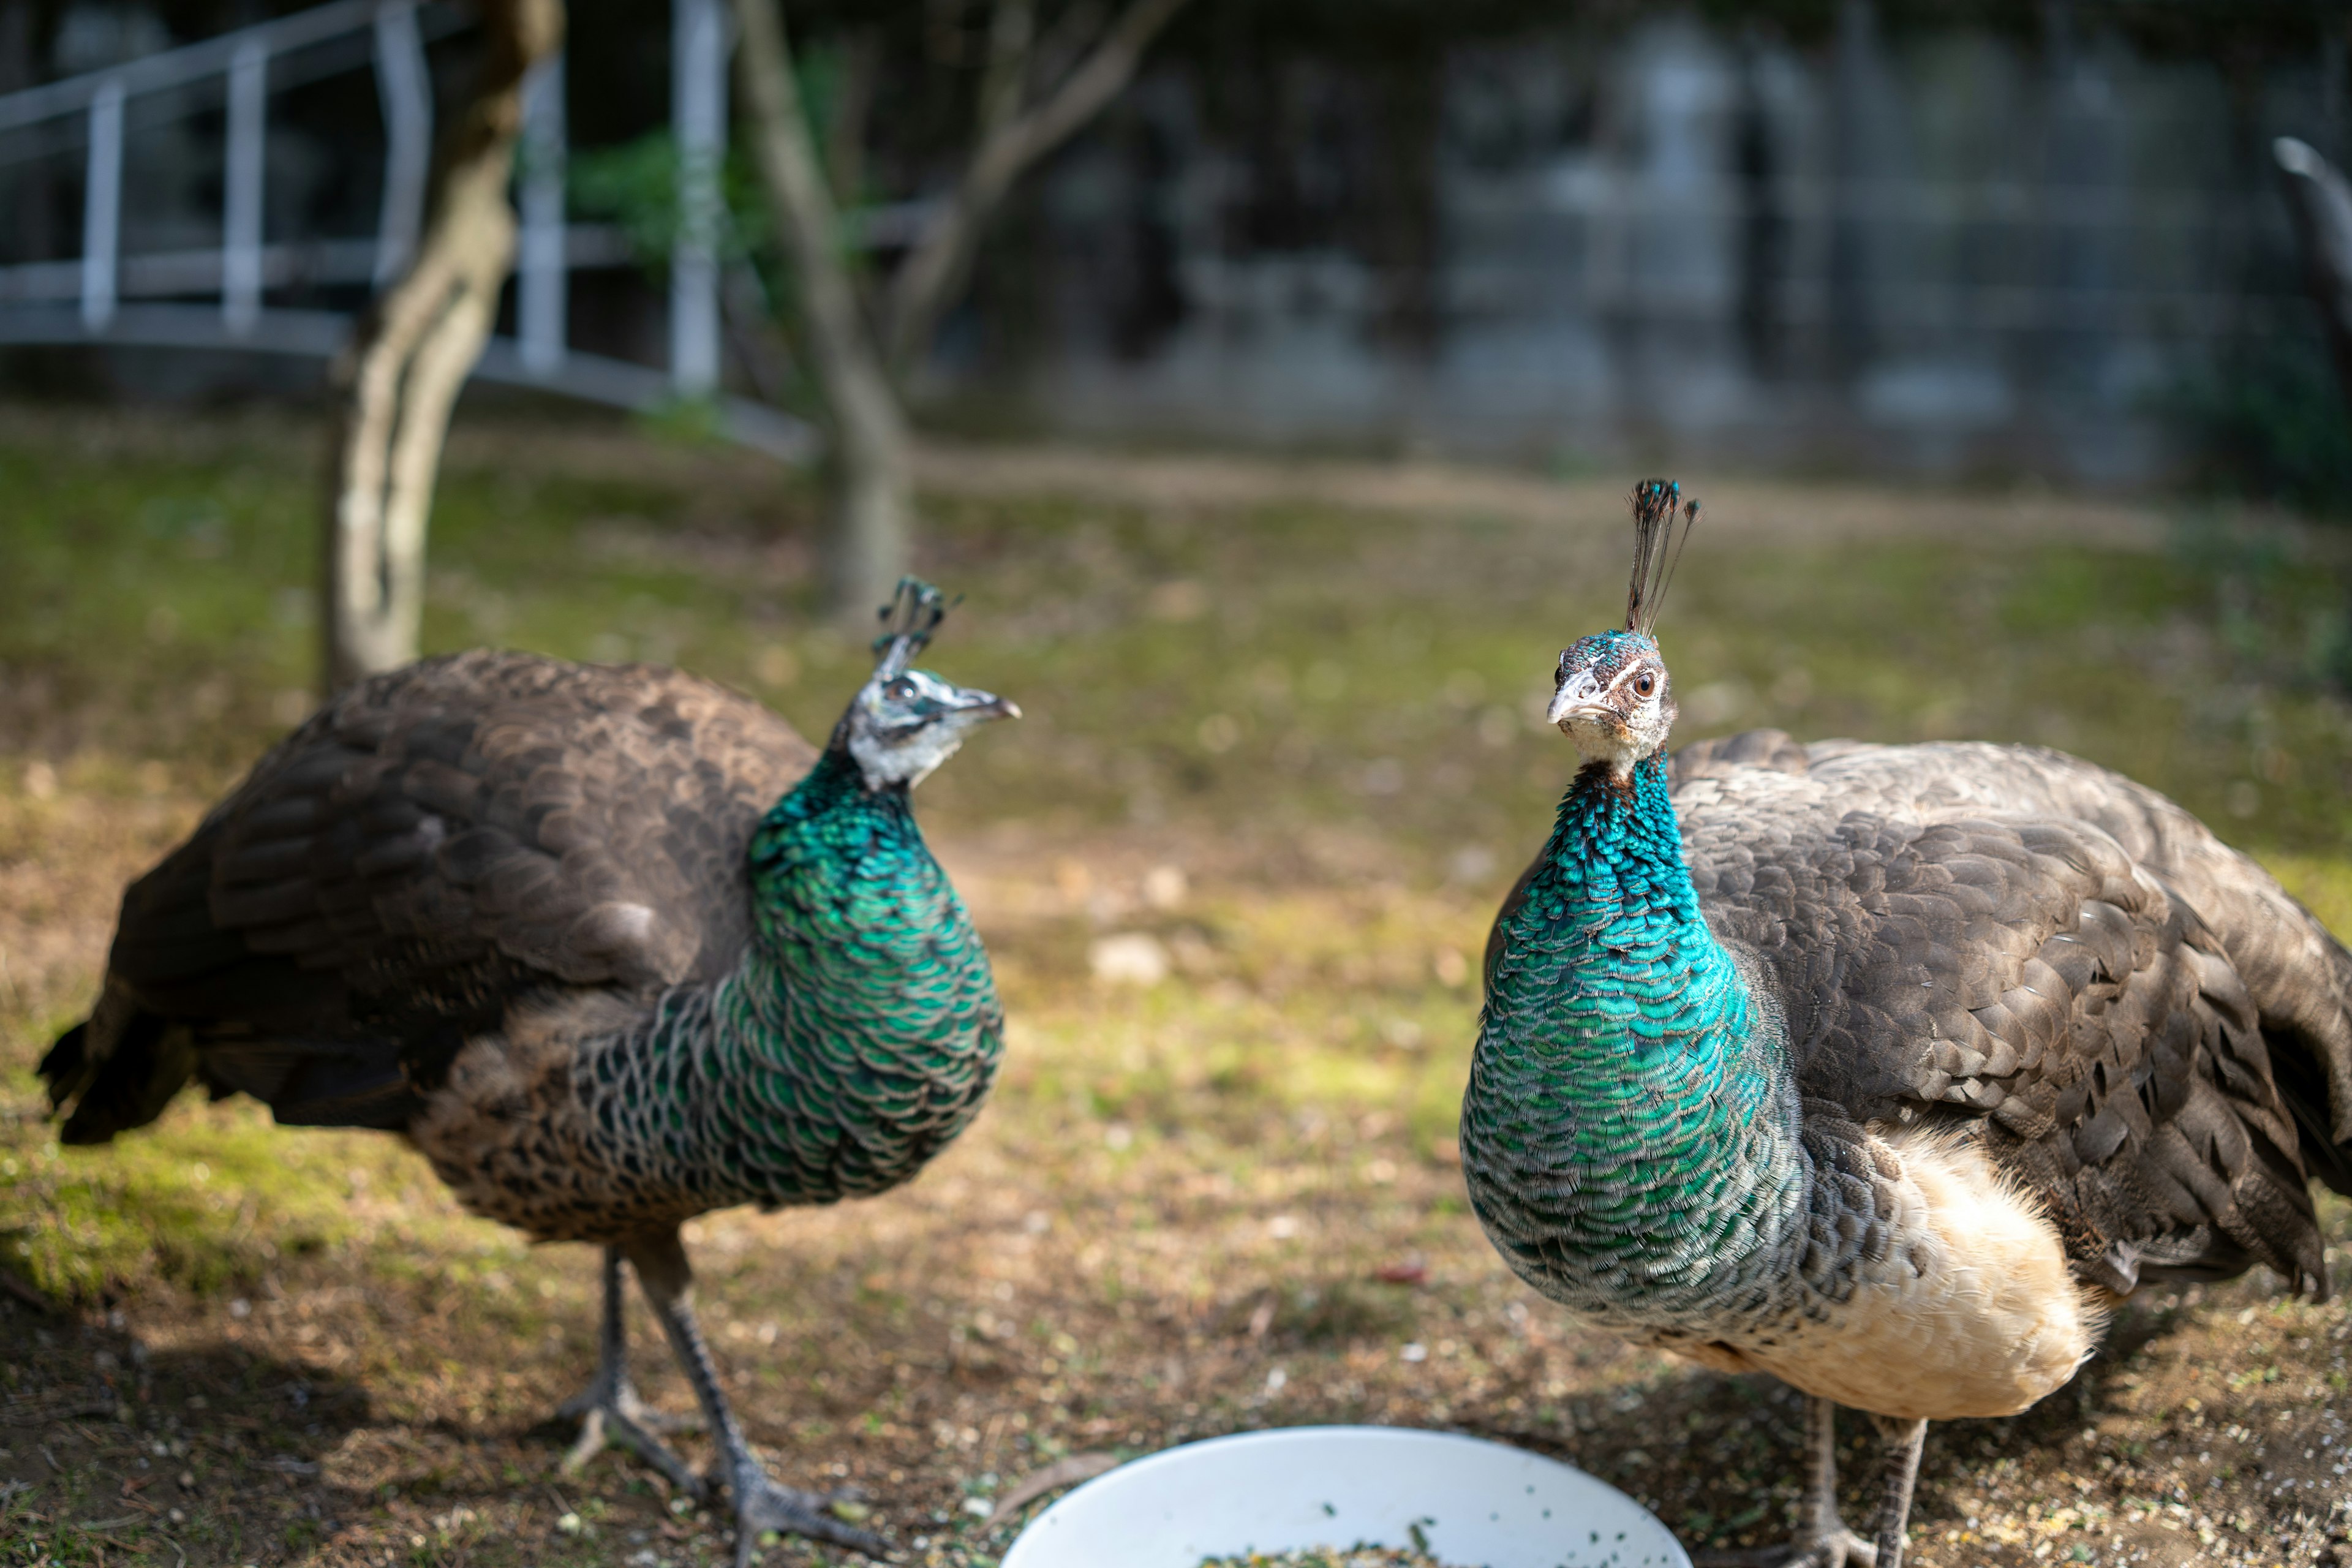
{"x":612,"y":945}
{"x":1888,"y":1070}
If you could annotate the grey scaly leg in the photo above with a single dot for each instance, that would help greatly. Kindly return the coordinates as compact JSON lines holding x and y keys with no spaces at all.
{"x":1904,"y":1440}
{"x":761,"y":1502}
{"x":609,"y":1409}
{"x":1822,"y":1540}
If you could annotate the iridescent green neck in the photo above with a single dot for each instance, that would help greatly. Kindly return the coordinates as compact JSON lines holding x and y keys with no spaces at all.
{"x":823,"y":853}
{"x":1613,"y":908}
{"x":1630,"y":1129}
{"x":854,"y":1037}
{"x":855,"y":922}
{"x":861,"y":1030}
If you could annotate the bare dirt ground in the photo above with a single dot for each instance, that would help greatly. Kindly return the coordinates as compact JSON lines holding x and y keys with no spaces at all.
{"x":1218,"y":1199}
{"x":1064,"y":1283}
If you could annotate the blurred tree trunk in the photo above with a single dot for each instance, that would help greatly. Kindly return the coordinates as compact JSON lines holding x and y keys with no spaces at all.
{"x":871,"y":470}
{"x":2321,"y":204}
{"x":412,"y":353}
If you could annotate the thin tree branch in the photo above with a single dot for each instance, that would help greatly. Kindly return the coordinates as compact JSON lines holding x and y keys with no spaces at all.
{"x":1012,"y":31}
{"x":752,"y":326}
{"x":927,"y":281}
{"x":1072,"y":34}
{"x":853,"y":104}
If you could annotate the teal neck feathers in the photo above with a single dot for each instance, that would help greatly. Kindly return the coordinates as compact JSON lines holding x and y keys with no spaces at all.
{"x":859,"y":1032}
{"x":1630,"y":1132}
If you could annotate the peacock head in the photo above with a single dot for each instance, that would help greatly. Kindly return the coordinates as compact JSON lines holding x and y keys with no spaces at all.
{"x":1612,"y":694}
{"x":1613,"y":698}
{"x":904,"y":723}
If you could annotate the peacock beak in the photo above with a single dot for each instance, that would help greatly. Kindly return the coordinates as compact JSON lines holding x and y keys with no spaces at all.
{"x":1577,"y":702}
{"x":981,"y":705}
{"x":1566,"y":710}
{"x":1578,"y":697}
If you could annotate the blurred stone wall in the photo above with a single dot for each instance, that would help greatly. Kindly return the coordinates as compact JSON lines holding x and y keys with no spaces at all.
{"x":1943,"y":252}
{"x":1889,"y":244}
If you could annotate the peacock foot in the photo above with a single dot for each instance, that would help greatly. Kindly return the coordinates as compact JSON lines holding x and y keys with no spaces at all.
{"x":1836,"y":1547}
{"x":764,"y":1503}
{"x":612,"y":1415}
{"x":626,"y":1401}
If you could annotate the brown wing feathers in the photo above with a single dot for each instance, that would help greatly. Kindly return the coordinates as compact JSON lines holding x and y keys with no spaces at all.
{"x":435,"y":843}
{"x":2032,"y":974}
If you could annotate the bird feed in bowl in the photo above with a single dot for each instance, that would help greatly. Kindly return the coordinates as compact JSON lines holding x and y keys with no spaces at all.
{"x":1357,"y":1556}
{"x":1294,"y":1496}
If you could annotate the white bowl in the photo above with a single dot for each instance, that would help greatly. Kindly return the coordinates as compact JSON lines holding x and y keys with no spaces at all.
{"x":1479,"y":1505}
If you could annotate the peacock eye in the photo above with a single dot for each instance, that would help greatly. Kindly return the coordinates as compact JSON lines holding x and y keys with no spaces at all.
{"x":1645,"y":684}
{"x":900,"y":690}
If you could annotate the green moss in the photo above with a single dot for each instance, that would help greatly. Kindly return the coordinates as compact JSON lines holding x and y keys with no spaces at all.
{"x":209,"y":1196}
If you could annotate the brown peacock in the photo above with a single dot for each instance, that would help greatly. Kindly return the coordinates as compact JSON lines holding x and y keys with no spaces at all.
{"x":1888,"y":1070}
{"x":611,"y":945}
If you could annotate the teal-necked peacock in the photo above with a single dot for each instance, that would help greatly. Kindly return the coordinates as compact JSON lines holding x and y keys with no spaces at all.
{"x":1888,"y":1070}
{"x":554,"y":923}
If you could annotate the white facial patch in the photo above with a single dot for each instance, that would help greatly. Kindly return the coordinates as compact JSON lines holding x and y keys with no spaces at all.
{"x":903,"y":726}
{"x":908,"y":761}
{"x":1595,"y":716}
{"x":1604,"y":738}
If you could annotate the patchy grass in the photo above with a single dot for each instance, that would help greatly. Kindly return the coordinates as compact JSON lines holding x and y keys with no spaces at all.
{"x":1283,"y":749}
{"x":2324,"y":883}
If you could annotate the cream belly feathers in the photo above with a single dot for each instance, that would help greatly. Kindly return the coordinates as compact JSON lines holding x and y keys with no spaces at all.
{"x":1974,"y":1311}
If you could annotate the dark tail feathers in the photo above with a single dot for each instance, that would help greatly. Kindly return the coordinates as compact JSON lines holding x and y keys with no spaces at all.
{"x":65,"y":1069}
{"x":115,"y":1090}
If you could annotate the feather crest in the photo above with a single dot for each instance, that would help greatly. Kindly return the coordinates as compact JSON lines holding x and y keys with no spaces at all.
{"x":1657,"y":550}
{"x":908,"y":620}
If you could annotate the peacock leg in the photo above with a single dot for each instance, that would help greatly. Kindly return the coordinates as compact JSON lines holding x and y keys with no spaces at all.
{"x":609,"y":1410}
{"x":762,"y":1503}
{"x":1822,"y":1540}
{"x":1904,"y":1440}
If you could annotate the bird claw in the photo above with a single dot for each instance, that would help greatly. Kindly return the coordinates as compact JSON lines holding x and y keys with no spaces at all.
{"x":616,"y":1422}
{"x":763,"y":1504}
{"x":628,"y":1403}
{"x":1837,"y":1547}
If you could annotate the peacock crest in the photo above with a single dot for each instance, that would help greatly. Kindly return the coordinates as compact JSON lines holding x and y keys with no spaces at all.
{"x":908,"y":621}
{"x":1657,"y":505}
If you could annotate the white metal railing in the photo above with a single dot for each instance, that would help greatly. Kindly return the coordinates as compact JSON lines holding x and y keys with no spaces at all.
{"x":193,"y":63}
{"x":698,"y":48}
{"x":241,"y":61}
{"x":403,"y":85}
{"x":252,"y":63}
{"x":163,"y":274}
{"x":542,"y":295}
{"x":102,"y":213}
